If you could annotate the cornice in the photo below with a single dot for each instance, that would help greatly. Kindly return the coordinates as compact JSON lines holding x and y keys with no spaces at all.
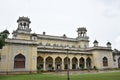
{"x":21,"y":41}
{"x":62,"y":38}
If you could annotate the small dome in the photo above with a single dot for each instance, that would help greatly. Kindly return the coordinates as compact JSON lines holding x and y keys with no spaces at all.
{"x":24,"y":19}
{"x":95,"y":41}
{"x":108,"y":43}
{"x":64,"y":36}
{"x":6,"y":31}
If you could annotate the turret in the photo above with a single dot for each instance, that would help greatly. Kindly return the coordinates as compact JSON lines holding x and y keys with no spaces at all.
{"x":108,"y":44}
{"x":34,"y":36}
{"x":83,"y":39}
{"x":95,"y":43}
{"x":23,"y":25}
{"x":23,"y":30}
{"x":82,"y":32}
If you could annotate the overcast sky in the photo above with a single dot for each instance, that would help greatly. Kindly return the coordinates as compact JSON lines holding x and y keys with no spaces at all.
{"x":58,"y":17}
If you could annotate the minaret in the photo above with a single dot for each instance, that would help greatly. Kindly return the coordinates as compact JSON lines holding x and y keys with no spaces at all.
{"x":23,"y":30}
{"x":83,"y":39}
{"x":23,"y":25}
{"x":82,"y":32}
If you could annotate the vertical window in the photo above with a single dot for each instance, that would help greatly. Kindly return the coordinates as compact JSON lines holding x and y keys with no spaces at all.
{"x":105,"y":61}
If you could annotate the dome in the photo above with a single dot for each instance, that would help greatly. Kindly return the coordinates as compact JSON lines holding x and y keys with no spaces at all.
{"x":24,"y":19}
{"x":82,"y":29}
{"x":108,"y":43}
{"x":95,"y":41}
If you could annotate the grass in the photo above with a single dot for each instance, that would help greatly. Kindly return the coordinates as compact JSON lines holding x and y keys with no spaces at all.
{"x":98,"y":76}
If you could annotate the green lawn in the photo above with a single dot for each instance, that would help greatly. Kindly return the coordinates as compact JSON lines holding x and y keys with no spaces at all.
{"x":98,"y":76}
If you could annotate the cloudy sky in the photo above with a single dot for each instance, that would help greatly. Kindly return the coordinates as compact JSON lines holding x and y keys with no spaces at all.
{"x":58,"y":17}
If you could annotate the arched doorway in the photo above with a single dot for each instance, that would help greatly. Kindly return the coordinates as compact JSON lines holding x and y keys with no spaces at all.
{"x":40,"y":62}
{"x":105,"y":61}
{"x":74,"y":63}
{"x":82,"y":63}
{"x":88,"y":63}
{"x":49,"y":63}
{"x":58,"y":62}
{"x":19,"y":61}
{"x":66,"y":64}
{"x":119,"y":62}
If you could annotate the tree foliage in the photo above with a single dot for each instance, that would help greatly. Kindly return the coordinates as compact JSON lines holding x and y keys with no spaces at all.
{"x":3,"y":36}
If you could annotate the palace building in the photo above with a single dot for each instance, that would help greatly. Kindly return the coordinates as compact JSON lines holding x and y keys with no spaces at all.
{"x":27,"y":51}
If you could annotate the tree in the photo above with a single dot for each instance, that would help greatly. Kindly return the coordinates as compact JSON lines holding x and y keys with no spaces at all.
{"x":3,"y":36}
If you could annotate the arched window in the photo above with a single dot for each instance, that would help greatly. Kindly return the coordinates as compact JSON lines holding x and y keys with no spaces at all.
{"x":19,"y":61}
{"x":105,"y":61}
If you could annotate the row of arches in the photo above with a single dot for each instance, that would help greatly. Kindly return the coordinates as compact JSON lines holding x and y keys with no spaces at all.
{"x":20,"y":60}
{"x":59,"y":63}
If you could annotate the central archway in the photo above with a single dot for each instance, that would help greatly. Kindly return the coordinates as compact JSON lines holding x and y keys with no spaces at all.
{"x":66,"y":65}
{"x":88,"y":63}
{"x":82,"y":63}
{"x":49,"y":63}
{"x":19,"y":61}
{"x":74,"y":63}
{"x":58,"y":62}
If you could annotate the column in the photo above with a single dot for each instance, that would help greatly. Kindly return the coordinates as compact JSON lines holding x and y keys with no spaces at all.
{"x":62,"y":65}
{"x":44,"y":65}
{"x":85,"y":64}
{"x":70,"y":67}
{"x":78,"y":63}
{"x":54,"y":63}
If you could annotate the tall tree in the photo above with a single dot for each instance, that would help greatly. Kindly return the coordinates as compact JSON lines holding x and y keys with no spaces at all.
{"x":3,"y":36}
